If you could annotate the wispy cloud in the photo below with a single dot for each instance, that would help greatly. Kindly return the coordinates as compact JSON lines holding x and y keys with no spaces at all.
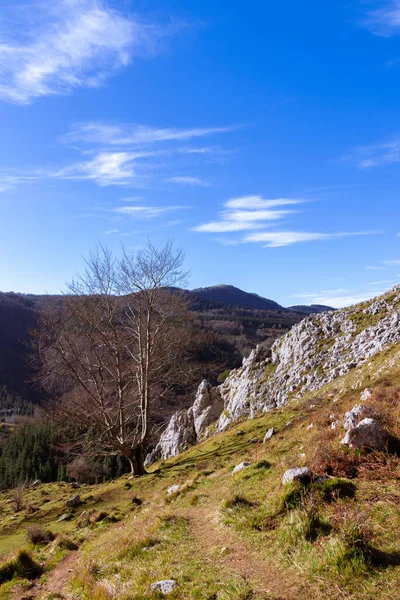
{"x":146,"y":212}
{"x":124,"y":155}
{"x":139,"y":135}
{"x":247,"y":213}
{"x":255,"y":214}
{"x":276,"y":239}
{"x":384,"y":21}
{"x":376,"y":155}
{"x":392,"y":262}
{"x":189,"y":180}
{"x":106,"y":168}
{"x":341,"y":297}
{"x":52,"y":48}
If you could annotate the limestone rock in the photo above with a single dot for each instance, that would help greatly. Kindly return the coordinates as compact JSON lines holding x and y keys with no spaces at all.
{"x":165,"y":587}
{"x":172,"y":490}
{"x":187,"y":427}
{"x":365,"y":394}
{"x":302,"y":474}
{"x":243,"y":465}
{"x":369,"y":433}
{"x":268,"y":435}
{"x":355,"y":415}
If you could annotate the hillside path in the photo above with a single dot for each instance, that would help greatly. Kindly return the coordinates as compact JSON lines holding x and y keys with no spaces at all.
{"x":265,"y":578}
{"x":56,"y":581}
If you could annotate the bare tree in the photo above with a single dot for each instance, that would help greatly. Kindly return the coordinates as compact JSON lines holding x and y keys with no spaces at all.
{"x":115,"y":344}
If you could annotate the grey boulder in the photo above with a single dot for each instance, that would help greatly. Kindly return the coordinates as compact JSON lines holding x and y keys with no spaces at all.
{"x":165,"y":587}
{"x":369,"y":433}
{"x":302,"y":474}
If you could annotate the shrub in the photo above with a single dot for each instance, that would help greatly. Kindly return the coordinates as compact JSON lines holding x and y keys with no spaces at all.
{"x":38,"y":536}
{"x":335,"y":488}
{"x":237,"y":502}
{"x":22,"y":565}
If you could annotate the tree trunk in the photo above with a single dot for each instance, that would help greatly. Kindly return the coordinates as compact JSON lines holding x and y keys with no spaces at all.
{"x":136,"y":460}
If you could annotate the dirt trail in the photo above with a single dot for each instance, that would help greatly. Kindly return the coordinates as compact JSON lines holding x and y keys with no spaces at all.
{"x":55,"y":583}
{"x":266,"y":579}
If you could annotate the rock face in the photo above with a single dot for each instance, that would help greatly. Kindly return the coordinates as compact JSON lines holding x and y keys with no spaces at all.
{"x":187,"y":427}
{"x":368,"y":433}
{"x":316,"y":351}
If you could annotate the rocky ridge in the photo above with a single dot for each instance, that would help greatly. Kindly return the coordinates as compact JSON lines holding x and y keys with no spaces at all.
{"x":315,"y":352}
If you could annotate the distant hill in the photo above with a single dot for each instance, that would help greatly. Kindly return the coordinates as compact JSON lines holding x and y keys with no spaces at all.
{"x":229,"y":294}
{"x":311,"y":309}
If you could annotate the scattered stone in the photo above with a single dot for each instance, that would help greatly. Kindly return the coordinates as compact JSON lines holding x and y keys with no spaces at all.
{"x":223,"y":551}
{"x":36,"y":482}
{"x":287,"y":425}
{"x":302,"y":474}
{"x":165,"y":587}
{"x":367,"y":393}
{"x":64,"y":517}
{"x":268,"y":435}
{"x":74,"y":501}
{"x":239,"y":432}
{"x":173,"y":489}
{"x":74,"y":485}
{"x":311,"y":425}
{"x":254,"y":441}
{"x":243,"y":465}
{"x":355,"y":415}
{"x":369,"y":433}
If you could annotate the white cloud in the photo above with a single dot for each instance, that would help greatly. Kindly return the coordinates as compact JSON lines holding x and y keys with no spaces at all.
{"x":247,"y":213}
{"x":55,"y":47}
{"x":146,"y":212}
{"x":106,"y":168}
{"x":276,"y":239}
{"x":391,"y":262}
{"x":376,"y":155}
{"x":386,"y":20}
{"x":133,"y":135}
{"x":258,"y":202}
{"x":110,"y":231}
{"x":189,"y":180}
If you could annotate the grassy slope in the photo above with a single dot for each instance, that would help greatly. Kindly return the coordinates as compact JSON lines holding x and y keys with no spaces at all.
{"x":224,"y":537}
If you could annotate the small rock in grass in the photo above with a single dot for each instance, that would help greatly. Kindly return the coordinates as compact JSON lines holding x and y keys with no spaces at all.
{"x":64,"y":517}
{"x":74,"y":501}
{"x":268,"y":435}
{"x":74,"y":485}
{"x":238,"y":468}
{"x":172,"y":490}
{"x":367,"y":393}
{"x":302,"y":474}
{"x":165,"y":587}
{"x":223,"y":551}
{"x":254,"y":441}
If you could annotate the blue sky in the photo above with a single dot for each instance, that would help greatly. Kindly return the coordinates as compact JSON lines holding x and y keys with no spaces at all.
{"x":263,"y":137}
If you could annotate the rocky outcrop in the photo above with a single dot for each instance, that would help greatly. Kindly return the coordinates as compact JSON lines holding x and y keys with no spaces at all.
{"x":314,"y":353}
{"x":187,"y":427}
